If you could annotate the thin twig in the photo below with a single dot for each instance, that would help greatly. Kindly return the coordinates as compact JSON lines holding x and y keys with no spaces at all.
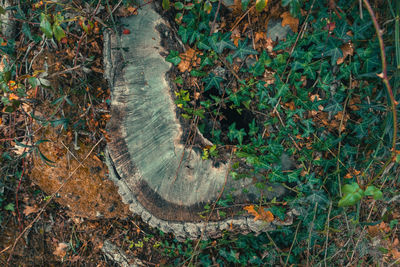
{"x":309,"y":234}
{"x":327,"y":233}
{"x":240,"y":19}
{"x":291,"y":246}
{"x":215,"y":18}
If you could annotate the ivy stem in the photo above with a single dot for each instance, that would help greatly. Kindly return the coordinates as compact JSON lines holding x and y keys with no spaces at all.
{"x":383,"y":75}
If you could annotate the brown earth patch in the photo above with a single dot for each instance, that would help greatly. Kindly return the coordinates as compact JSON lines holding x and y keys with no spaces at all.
{"x":87,"y":192}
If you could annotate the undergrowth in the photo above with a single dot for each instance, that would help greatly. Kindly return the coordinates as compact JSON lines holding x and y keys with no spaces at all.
{"x":322,"y":98}
{"x":310,"y":112}
{"x":50,"y":77}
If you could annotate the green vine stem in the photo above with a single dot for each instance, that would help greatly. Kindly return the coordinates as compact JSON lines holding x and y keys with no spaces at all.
{"x":385,"y":79}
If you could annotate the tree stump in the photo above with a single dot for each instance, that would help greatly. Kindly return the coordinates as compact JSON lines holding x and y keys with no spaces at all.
{"x":163,"y":181}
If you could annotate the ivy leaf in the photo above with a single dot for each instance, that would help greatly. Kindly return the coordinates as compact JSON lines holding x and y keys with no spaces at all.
{"x":282,"y":89}
{"x":258,"y":69}
{"x":27,"y":31}
{"x":220,"y":45}
{"x":309,"y":71}
{"x":203,"y":44}
{"x":253,"y":129}
{"x":243,"y":50}
{"x":212,"y":81}
{"x":333,"y":50}
{"x":45,"y":25}
{"x":352,"y":194}
{"x":232,"y":131}
{"x":341,"y":31}
{"x":173,"y":57}
{"x":206,"y":62}
{"x":239,"y":135}
{"x":320,"y":198}
{"x":197,"y":73}
{"x":371,"y":64}
{"x":360,"y":29}
{"x":294,"y":6}
{"x":334,"y":106}
{"x":373,"y":191}
{"x":184,"y":33}
{"x":245,"y":4}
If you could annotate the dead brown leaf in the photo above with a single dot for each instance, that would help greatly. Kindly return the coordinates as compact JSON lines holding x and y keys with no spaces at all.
{"x":287,"y":19}
{"x":260,"y":36}
{"x":61,"y":250}
{"x":347,"y":50}
{"x":235,"y":36}
{"x":187,"y":58}
{"x":126,"y":11}
{"x":29,"y":210}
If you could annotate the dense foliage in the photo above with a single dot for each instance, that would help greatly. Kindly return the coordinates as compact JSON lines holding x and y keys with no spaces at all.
{"x":325,"y":107}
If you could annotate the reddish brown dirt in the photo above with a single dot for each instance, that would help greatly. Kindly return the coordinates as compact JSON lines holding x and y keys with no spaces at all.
{"x":86,"y":191}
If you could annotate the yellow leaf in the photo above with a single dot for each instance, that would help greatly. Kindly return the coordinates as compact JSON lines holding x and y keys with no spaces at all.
{"x":287,"y":19}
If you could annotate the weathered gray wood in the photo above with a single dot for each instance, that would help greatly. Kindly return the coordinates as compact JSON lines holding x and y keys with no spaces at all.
{"x":164,"y":182}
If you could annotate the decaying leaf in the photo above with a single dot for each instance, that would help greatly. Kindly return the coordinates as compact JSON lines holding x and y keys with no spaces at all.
{"x":235,"y":36}
{"x":29,"y":210}
{"x":287,"y":19}
{"x":187,"y":59}
{"x":61,"y":250}
{"x":260,"y":36}
{"x":347,"y":49}
{"x":126,"y":11}
{"x":261,"y":214}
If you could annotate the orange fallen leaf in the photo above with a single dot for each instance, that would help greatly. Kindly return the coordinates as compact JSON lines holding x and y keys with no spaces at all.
{"x":287,"y":19}
{"x":348,"y":176}
{"x":187,"y":58}
{"x":261,"y":214}
{"x":260,"y":36}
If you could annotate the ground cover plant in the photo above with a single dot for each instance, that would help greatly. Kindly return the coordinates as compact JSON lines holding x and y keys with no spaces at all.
{"x":322,"y":99}
{"x":315,"y":112}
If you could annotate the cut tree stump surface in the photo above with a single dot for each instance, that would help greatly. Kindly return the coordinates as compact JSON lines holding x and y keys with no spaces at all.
{"x":165,"y":182}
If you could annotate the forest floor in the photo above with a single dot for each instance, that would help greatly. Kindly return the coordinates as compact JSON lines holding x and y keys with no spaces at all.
{"x":53,"y":134}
